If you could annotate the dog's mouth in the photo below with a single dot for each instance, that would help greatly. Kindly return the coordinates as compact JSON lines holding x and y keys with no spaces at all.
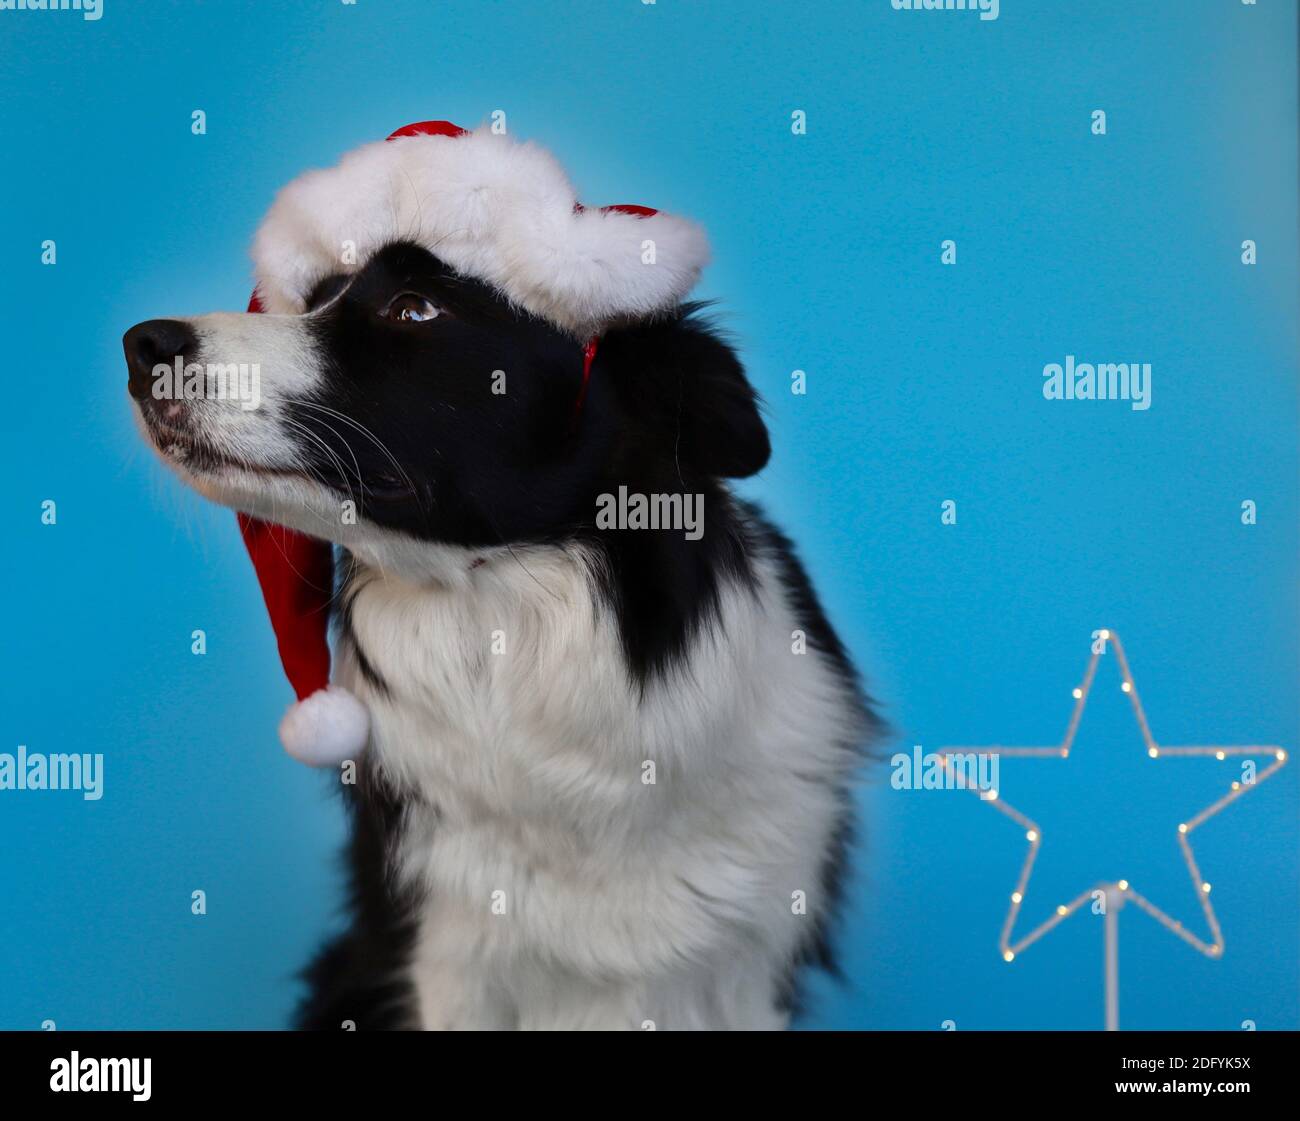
{"x":198,"y":456}
{"x":189,"y":450}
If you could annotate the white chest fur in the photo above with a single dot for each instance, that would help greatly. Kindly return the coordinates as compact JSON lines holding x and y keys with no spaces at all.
{"x":588,"y":854}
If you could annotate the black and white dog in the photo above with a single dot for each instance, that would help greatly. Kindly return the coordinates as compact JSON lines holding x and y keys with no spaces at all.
{"x":608,"y":778}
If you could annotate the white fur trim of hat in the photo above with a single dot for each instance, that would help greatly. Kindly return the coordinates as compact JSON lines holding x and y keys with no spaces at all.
{"x":493,"y":208}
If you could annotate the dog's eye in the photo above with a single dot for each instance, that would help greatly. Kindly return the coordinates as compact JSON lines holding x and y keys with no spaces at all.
{"x":411,"y":308}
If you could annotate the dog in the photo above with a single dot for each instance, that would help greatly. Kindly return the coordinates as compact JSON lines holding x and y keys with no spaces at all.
{"x":610,"y":770}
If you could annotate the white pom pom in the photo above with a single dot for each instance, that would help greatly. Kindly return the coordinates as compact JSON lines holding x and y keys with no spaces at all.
{"x":326,"y":728}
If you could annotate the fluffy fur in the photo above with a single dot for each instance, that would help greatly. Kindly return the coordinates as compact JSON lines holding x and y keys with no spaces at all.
{"x":617,"y":901}
{"x":609,"y":779}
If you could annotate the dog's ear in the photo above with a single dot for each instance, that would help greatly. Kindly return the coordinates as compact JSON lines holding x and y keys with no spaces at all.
{"x":685,"y":377}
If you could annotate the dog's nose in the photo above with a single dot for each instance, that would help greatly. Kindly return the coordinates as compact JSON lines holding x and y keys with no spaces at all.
{"x":151,"y":343}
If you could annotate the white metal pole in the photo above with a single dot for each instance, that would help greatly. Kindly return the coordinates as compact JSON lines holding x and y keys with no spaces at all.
{"x":1114,"y":901}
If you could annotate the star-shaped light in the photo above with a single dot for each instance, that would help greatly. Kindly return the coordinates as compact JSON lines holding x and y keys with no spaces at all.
{"x":1123,"y":889}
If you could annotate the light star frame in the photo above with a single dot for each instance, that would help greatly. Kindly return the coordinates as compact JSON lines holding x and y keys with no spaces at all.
{"x":1116,"y":894}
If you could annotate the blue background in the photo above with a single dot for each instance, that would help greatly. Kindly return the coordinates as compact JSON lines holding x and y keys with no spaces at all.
{"x":924,"y":384}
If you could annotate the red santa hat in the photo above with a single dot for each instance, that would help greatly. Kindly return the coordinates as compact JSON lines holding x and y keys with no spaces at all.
{"x":494,"y":209}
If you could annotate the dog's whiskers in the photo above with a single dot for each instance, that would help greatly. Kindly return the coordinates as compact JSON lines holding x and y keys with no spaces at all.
{"x":397,"y":466}
{"x":334,"y":458}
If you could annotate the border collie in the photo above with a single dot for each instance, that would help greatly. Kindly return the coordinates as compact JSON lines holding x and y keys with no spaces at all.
{"x":608,"y":783}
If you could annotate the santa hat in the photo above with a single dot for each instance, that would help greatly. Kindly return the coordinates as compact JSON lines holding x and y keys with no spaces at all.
{"x":494,"y":209}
